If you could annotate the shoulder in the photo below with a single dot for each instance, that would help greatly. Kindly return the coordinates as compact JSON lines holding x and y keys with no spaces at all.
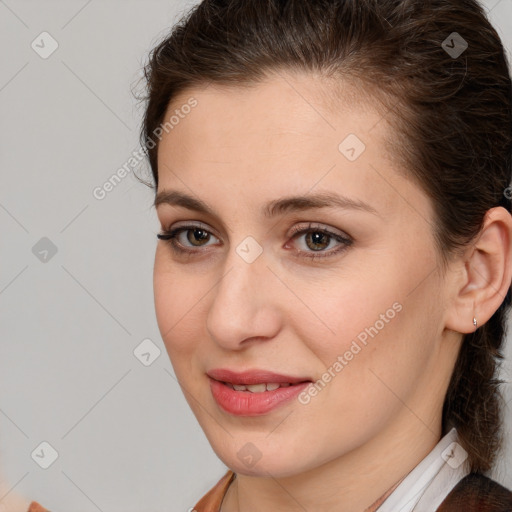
{"x":476,"y":492}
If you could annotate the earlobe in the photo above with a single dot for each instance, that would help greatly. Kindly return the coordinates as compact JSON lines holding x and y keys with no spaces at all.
{"x":486,"y":276}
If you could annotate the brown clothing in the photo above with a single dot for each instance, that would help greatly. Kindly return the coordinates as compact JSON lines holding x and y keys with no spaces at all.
{"x":474,"y":493}
{"x":212,"y":500}
{"x":35,"y":507}
{"x":477,"y":492}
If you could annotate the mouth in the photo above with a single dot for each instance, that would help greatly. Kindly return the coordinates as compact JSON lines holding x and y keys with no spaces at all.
{"x":258,"y":388}
{"x":253,"y":392}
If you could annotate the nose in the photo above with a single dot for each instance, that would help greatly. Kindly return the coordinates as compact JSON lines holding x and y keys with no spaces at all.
{"x":245,"y":306}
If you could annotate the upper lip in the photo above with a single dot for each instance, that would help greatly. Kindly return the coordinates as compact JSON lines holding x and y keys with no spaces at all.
{"x":256,"y":376}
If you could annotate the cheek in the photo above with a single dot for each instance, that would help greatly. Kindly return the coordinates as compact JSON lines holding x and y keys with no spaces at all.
{"x":384,"y":343}
{"x":164,"y":294}
{"x":368,"y":324}
{"x":355,"y":309}
{"x":177,"y":305}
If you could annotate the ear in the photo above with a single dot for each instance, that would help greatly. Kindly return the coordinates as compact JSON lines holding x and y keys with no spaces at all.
{"x":484,"y":274}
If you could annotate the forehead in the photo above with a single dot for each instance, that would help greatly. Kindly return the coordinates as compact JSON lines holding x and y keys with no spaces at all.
{"x":281,"y":109}
{"x":288,"y":134}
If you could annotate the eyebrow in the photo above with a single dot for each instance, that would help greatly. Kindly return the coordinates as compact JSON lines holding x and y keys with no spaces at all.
{"x":272,"y":208}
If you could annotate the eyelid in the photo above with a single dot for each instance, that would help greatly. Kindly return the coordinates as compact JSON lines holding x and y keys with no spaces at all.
{"x":196,"y":225}
{"x":310,"y":226}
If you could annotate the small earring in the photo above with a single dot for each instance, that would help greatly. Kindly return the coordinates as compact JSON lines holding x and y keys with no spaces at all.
{"x":475,"y":323}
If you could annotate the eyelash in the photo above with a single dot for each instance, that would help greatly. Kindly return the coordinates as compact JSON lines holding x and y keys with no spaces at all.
{"x":170,"y":238}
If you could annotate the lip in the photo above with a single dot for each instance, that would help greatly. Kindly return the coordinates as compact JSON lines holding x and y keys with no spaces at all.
{"x":256,"y":376}
{"x":246,"y":403}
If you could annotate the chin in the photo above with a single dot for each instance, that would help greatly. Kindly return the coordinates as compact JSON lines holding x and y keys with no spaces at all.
{"x":270,"y":468}
{"x":260,"y":459}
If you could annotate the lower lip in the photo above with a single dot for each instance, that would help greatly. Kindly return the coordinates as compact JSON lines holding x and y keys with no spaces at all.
{"x":245,"y":403}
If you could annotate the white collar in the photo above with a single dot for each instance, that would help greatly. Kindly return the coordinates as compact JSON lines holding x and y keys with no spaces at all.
{"x":428,"y":484}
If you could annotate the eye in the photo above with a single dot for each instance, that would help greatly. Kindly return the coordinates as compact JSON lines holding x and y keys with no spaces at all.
{"x":197,"y":236}
{"x":317,"y":239}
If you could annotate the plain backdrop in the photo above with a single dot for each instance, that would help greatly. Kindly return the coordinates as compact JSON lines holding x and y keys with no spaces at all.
{"x":76,"y":298}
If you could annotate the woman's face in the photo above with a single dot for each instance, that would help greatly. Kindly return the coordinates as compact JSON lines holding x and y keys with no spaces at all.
{"x":363,"y":320}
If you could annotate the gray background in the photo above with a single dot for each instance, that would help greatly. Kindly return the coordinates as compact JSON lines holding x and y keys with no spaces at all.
{"x":125,"y":437}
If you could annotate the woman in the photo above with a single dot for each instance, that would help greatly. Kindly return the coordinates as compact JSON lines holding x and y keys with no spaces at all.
{"x":334,"y":266}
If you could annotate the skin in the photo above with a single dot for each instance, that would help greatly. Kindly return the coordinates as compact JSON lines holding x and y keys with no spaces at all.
{"x":351,"y":445}
{"x":11,"y":501}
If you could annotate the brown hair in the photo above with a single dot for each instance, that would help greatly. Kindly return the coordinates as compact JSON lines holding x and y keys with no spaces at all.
{"x":451,"y":114}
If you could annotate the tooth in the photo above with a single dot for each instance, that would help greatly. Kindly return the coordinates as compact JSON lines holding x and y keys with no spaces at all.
{"x":256,"y":388}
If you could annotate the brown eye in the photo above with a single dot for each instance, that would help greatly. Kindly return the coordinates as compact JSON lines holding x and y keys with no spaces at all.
{"x":197,"y":235}
{"x":319,"y":240}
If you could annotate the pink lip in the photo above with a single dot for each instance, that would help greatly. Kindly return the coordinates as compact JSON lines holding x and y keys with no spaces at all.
{"x":246,"y":403}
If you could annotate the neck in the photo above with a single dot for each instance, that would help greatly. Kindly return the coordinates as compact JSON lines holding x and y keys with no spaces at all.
{"x":374,"y":506}
{"x":348,"y":484}
{"x":233,"y":490}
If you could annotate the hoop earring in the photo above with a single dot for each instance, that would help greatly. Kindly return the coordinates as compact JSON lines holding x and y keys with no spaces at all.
{"x":475,"y":323}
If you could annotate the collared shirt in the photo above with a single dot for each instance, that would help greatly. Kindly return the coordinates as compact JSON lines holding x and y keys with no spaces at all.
{"x":428,"y":484}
